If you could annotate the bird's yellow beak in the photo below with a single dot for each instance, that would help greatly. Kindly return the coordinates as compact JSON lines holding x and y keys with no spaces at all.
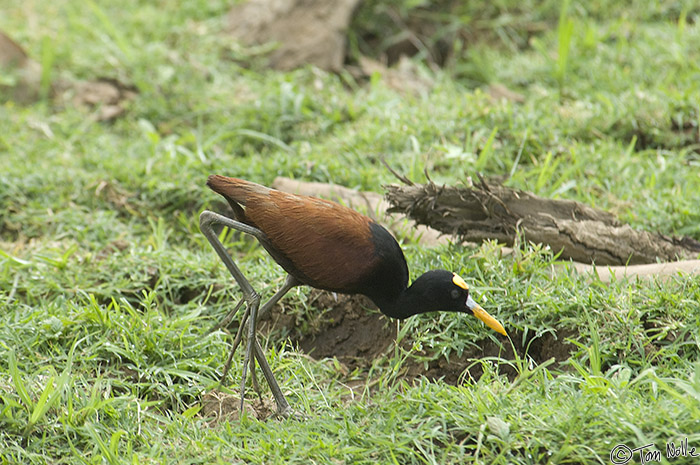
{"x":479,"y":312}
{"x":483,"y":315}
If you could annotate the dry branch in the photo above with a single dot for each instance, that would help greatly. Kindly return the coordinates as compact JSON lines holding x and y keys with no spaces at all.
{"x":492,"y":211}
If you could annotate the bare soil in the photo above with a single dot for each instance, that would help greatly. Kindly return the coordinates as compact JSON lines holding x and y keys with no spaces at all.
{"x":355,"y":333}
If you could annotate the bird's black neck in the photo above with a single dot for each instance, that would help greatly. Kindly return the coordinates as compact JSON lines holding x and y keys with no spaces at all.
{"x":416,"y":299}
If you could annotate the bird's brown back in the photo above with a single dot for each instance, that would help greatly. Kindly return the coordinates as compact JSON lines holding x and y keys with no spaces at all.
{"x":328,"y":245}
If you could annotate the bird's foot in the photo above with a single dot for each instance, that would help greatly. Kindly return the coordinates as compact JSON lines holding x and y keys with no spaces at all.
{"x":289,"y":413}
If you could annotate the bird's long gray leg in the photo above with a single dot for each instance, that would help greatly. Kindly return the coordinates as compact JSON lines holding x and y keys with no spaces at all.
{"x":226,"y":321}
{"x":283,"y":408}
{"x":206,"y":221}
{"x":236,"y":342}
{"x":253,"y":344}
{"x":289,"y":283}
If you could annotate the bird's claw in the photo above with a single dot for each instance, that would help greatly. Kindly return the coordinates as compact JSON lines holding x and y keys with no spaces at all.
{"x":289,"y":413}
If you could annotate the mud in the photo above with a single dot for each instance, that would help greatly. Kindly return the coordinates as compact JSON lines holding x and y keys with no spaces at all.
{"x":356,"y":334}
{"x":350,"y":329}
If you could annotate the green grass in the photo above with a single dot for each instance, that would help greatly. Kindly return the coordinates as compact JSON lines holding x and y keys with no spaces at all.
{"x":107,"y":288}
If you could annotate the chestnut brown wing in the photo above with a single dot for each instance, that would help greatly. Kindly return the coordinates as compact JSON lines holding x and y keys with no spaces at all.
{"x":328,"y":245}
{"x":321,"y":243}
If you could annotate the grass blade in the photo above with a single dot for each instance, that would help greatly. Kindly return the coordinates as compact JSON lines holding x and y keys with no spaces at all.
{"x":17,"y":380}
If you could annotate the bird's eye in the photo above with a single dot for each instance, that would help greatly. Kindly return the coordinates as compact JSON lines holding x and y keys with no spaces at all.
{"x":455,"y":294}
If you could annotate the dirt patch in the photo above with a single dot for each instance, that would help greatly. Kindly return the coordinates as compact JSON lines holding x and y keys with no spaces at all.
{"x":455,"y":368}
{"x":24,"y":83}
{"x":350,"y":329}
{"x":106,"y":97}
{"x":219,"y":406}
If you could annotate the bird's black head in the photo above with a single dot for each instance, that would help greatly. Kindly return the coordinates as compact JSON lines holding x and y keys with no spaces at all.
{"x":442,"y":290}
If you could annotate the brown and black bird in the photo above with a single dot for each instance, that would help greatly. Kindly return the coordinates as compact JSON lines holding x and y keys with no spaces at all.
{"x":331,"y":247}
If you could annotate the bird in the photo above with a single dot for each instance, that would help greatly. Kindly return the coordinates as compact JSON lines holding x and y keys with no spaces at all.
{"x":328,"y":246}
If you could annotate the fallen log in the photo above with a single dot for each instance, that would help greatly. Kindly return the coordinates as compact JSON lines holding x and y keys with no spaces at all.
{"x":488,"y":211}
